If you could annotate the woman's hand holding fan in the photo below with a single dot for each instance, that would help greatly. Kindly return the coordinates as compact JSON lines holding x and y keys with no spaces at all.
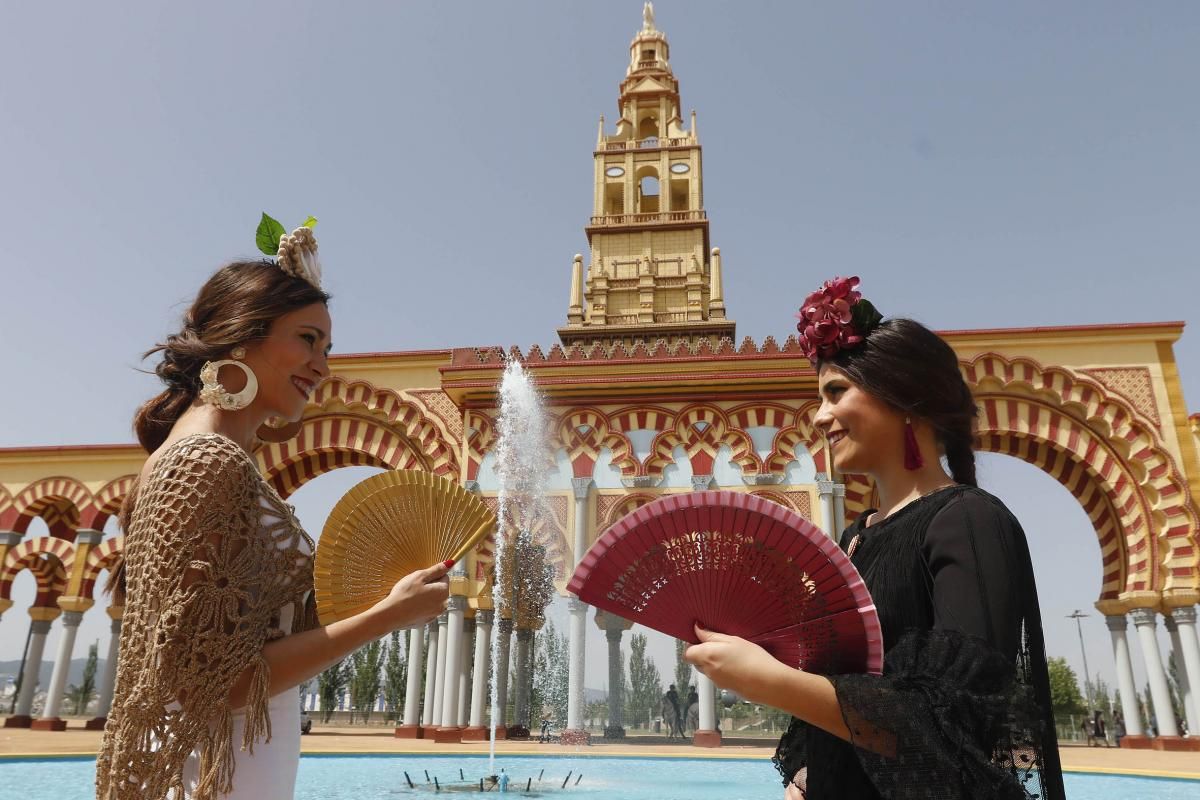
{"x":381,"y":537}
{"x":416,"y":599}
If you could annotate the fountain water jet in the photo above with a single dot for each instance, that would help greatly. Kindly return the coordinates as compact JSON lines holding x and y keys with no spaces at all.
{"x":523,"y":465}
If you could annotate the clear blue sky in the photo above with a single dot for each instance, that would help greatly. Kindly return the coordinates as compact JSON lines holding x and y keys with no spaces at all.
{"x":986,"y":165}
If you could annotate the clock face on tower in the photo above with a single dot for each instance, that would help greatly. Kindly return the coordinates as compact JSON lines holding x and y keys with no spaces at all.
{"x":614,"y":172}
{"x":680,"y":168}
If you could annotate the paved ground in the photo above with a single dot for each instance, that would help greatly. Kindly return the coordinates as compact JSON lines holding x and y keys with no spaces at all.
{"x":77,"y":741}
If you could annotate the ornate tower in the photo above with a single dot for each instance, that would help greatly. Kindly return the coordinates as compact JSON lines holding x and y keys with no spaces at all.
{"x":651,"y":274}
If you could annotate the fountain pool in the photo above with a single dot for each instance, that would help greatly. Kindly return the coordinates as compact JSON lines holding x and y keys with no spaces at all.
{"x":373,"y":777}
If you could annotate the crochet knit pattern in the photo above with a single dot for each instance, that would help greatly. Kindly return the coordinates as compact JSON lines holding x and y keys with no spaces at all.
{"x":211,"y":555}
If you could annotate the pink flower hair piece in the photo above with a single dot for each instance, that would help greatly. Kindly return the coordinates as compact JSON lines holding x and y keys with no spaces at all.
{"x":834,"y":318}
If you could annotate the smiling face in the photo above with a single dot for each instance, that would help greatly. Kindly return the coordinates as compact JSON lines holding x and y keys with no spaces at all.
{"x":863,"y":431}
{"x":291,"y":360}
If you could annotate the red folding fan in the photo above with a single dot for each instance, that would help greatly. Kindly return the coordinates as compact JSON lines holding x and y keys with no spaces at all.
{"x":741,"y":565}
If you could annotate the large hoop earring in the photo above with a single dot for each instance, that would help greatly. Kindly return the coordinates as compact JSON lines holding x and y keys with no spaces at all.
{"x":213,"y":393}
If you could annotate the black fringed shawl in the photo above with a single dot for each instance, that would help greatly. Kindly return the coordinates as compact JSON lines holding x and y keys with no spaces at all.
{"x":963,"y":707}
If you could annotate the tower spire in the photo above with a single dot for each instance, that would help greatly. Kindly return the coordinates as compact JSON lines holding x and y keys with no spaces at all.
{"x":648,"y":18}
{"x":651,"y":273}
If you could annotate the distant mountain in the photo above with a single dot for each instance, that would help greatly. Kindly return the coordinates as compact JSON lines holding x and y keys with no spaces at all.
{"x":9,"y":669}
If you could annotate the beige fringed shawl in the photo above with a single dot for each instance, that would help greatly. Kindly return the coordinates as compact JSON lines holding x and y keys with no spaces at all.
{"x":211,"y":555}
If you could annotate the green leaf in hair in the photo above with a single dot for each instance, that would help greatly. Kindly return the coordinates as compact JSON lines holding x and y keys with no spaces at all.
{"x":268,"y":235}
{"x":311,"y":222}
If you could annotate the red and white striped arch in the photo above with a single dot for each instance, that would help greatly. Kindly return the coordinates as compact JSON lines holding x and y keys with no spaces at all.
{"x":106,"y":503}
{"x":329,"y":441}
{"x":701,"y":430}
{"x":58,"y":500}
{"x":583,"y":433}
{"x":352,"y":423}
{"x":104,"y":556}
{"x":49,"y":558}
{"x":1106,"y":455}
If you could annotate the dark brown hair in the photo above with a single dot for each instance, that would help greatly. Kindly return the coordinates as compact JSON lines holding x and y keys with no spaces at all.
{"x":912,"y":369}
{"x":235,"y":306}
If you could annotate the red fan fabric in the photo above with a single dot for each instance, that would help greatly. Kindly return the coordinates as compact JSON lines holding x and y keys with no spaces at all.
{"x":738,"y":564}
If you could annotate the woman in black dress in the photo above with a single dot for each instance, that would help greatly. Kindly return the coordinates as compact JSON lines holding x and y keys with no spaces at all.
{"x":962,"y":709}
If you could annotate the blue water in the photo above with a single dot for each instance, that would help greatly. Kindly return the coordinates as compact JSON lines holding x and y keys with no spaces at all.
{"x":375,"y":777}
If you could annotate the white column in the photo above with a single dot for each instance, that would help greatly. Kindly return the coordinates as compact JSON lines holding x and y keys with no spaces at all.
{"x":33,"y":665}
{"x":1189,"y":649}
{"x":704,"y":685}
{"x":828,"y":515}
{"x":62,"y":664}
{"x":839,"y":509}
{"x":1144,"y":621}
{"x":483,"y":640}
{"x":1117,"y":626}
{"x":450,"y":670}
{"x":578,"y":611}
{"x":464,"y":672}
{"x":412,"y":702}
{"x":439,"y":688}
{"x":109,"y":681}
{"x":431,"y":675}
{"x":708,"y":710}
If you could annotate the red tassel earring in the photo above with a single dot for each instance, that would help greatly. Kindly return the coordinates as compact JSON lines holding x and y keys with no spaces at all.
{"x":912,"y":452}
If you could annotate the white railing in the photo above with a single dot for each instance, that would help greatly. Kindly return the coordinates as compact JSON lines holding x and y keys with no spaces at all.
{"x":654,"y":218}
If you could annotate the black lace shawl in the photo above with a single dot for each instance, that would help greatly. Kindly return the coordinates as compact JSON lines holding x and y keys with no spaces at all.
{"x":962,"y":709}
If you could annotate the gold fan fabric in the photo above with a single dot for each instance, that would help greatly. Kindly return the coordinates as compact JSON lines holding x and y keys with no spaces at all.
{"x":389,"y":525}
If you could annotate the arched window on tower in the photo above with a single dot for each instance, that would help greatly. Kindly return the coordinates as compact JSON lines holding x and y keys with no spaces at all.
{"x":648,"y":191}
{"x":647,"y":130}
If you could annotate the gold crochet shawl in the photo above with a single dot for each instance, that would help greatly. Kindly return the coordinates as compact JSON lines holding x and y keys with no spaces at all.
{"x":211,"y":555}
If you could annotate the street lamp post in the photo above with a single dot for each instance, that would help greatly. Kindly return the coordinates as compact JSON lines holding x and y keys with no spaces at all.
{"x":1087,"y":679}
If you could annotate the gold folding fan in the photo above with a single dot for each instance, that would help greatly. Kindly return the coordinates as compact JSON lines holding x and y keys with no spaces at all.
{"x":386,"y":527}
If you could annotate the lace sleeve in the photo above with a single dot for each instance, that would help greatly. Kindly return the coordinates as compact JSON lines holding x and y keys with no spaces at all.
{"x":791,"y":754}
{"x":930,"y":725}
{"x":949,"y":717}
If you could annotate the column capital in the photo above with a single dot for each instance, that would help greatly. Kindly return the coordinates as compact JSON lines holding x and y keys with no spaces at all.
{"x":614,"y":634}
{"x":471,"y":486}
{"x":115,"y":627}
{"x":40,"y":626}
{"x":1116,"y":623}
{"x":701,"y":483}
{"x":524,"y":635}
{"x":582,"y":487}
{"x":839,"y":489}
{"x":505,"y":626}
{"x":458,"y":604}
{"x":47,"y":613}
{"x":443,"y":619}
{"x":485,"y":616}
{"x":1169,"y":623}
{"x":824,"y":486}
{"x":1143,"y":616}
{"x":640,"y":482}
{"x":576,"y":606}
{"x":71,"y":619}
{"x":88,"y":536}
{"x":9,"y":538}
{"x":1184,"y":615}
{"x":763,"y":479}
